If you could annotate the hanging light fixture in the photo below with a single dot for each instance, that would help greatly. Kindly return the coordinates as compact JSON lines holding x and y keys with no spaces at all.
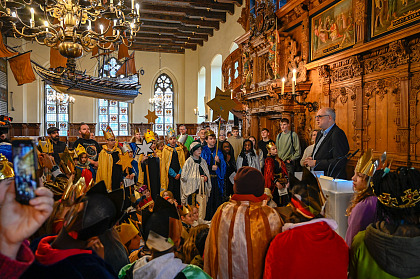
{"x":60,"y":98}
{"x":66,"y":25}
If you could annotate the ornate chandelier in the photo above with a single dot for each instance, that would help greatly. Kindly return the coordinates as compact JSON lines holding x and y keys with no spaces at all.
{"x":67,"y":24}
{"x":60,"y":98}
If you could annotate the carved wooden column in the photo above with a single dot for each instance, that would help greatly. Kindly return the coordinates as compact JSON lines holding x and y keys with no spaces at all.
{"x":360,"y":20}
{"x":404,"y":128}
{"x":254,"y":126}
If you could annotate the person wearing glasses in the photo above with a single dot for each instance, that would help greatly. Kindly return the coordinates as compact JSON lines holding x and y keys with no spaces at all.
{"x":108,"y":170}
{"x":331,"y":146}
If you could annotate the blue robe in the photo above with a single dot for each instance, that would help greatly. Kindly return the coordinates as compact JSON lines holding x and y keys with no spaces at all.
{"x":218,"y":190}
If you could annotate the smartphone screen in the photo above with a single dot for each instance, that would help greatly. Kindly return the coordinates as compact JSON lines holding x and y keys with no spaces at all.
{"x":24,"y":164}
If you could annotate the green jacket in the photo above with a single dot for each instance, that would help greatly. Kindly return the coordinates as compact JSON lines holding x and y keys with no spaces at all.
{"x":395,"y":255}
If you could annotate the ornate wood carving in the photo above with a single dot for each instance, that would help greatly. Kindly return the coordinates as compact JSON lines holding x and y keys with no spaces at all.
{"x":389,"y":57}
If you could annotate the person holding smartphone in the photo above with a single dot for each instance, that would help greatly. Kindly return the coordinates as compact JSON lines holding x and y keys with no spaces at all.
{"x":18,"y":222}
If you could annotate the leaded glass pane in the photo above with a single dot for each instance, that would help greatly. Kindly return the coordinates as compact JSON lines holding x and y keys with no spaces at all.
{"x":164,"y":107}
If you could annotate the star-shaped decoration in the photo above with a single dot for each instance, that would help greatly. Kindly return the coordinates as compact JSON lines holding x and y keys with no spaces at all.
{"x":144,"y":148}
{"x":151,"y":116}
{"x":221,"y":104}
{"x":125,"y":161}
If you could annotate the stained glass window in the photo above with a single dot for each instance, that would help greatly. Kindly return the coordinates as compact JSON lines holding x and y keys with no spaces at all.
{"x":164,"y":104}
{"x":113,"y":113}
{"x":56,"y":112}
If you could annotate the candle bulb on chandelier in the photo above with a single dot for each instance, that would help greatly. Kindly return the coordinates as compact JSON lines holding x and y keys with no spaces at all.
{"x":132,"y":5}
{"x":46,"y":25}
{"x":32,"y":16}
{"x":113,"y":30}
{"x":89,"y":25}
{"x":282,"y":85}
{"x":138,"y":9}
{"x":102,"y":28}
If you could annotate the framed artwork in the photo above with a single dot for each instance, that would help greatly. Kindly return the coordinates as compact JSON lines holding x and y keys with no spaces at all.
{"x":388,"y":15}
{"x":332,"y":29}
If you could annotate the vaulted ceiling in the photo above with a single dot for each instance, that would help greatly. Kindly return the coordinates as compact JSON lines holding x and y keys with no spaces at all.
{"x":176,"y":25}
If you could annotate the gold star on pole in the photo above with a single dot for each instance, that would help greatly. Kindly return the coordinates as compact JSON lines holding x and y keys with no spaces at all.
{"x":125,"y":161}
{"x":221,"y":104}
{"x":151,"y":116}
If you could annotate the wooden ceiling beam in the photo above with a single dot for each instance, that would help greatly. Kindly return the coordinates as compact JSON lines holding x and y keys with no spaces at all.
{"x":154,"y":43}
{"x":215,"y":6}
{"x":152,"y":30}
{"x":162,"y":49}
{"x":183,"y":19}
{"x":165,"y":37}
{"x":190,"y":12}
{"x":179,"y":26}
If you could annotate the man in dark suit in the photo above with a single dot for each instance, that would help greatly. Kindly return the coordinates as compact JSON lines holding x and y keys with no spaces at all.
{"x":331,"y":146}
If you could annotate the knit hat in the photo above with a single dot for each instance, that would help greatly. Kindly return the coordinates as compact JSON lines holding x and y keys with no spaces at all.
{"x":194,"y":146}
{"x":249,"y":181}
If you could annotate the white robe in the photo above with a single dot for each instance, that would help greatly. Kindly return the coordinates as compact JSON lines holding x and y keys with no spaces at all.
{"x":191,"y":178}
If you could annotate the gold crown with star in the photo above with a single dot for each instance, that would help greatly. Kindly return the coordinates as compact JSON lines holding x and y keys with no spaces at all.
{"x":270,"y":144}
{"x":6,"y":168}
{"x":79,"y":150}
{"x":149,"y":136}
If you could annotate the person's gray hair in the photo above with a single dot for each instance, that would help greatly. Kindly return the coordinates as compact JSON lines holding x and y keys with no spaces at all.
{"x":330,"y":112}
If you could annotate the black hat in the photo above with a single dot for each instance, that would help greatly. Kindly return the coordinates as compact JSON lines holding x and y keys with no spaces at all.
{"x":51,"y":130}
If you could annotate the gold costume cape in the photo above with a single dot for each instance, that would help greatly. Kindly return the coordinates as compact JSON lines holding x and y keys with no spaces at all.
{"x":105,"y":165}
{"x":165,"y":163}
{"x":239,"y":237}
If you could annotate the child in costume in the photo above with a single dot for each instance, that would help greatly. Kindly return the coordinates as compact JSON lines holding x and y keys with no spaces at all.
{"x":149,"y":167}
{"x":173,"y":160}
{"x":275,"y":175}
{"x":217,"y":169}
{"x":108,"y":169}
{"x":131,"y":239}
{"x":83,"y":168}
{"x":194,"y":175}
{"x":247,"y":157}
{"x":129,"y":173}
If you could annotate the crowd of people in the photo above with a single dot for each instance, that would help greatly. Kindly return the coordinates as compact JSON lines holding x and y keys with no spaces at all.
{"x":208,"y":206}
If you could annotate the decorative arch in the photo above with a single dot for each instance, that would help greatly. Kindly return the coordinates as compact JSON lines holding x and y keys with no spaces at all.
{"x":233,"y":47}
{"x":201,"y":93}
{"x":164,"y":92}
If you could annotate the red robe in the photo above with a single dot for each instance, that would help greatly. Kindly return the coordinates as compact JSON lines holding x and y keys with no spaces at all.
{"x":310,"y":250}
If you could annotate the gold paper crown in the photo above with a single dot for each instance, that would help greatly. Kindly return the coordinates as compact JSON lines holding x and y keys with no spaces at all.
{"x":127,"y":231}
{"x":6,"y":170}
{"x":209,"y":133}
{"x":184,"y":210}
{"x":149,"y":136}
{"x":137,"y":131}
{"x":365,"y":164}
{"x":410,"y":199}
{"x":270,"y":144}
{"x":108,"y":133}
{"x":46,"y":146}
{"x":79,"y":150}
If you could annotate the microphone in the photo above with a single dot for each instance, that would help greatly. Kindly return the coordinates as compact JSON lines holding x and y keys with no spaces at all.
{"x":350,"y":156}
{"x":347,"y":156}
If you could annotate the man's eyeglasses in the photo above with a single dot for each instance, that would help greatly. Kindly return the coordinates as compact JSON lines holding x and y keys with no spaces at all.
{"x":320,"y":116}
{"x":110,"y":139}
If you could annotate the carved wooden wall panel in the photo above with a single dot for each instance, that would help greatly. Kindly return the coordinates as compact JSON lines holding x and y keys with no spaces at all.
{"x":374,"y":86}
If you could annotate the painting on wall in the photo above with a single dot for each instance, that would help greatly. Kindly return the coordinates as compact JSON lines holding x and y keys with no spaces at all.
{"x":388,"y":15}
{"x":332,"y":29}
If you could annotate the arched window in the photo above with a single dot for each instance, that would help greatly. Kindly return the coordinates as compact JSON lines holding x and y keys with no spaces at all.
{"x":201,"y":94}
{"x":113,"y":113}
{"x":164,"y":104}
{"x":56,"y":110}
